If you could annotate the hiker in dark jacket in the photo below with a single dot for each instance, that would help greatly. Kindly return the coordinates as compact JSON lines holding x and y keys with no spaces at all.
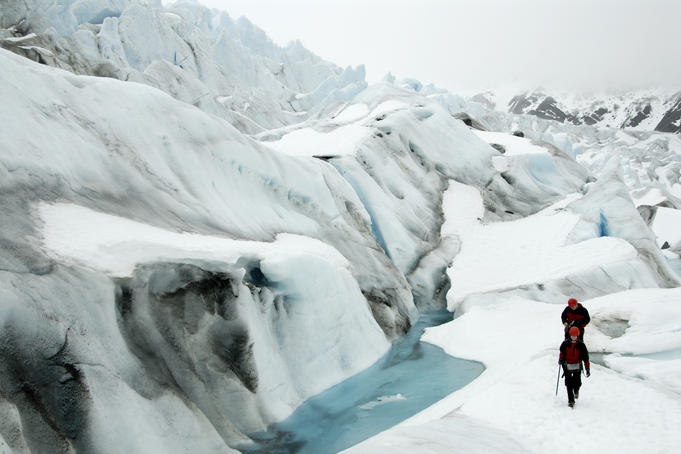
{"x":573,"y":353}
{"x":575,"y":315}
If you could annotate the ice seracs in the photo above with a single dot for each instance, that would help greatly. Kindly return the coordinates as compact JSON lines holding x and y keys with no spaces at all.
{"x":227,"y":67}
{"x":127,"y":186}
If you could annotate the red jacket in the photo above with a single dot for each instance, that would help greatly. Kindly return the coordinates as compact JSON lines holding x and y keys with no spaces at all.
{"x":578,"y":317}
{"x":574,"y":352}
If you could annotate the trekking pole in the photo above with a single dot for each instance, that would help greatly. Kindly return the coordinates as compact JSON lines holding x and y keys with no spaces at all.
{"x":558,"y":379}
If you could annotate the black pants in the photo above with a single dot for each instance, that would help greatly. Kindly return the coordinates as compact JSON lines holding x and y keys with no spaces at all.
{"x":573,"y":381}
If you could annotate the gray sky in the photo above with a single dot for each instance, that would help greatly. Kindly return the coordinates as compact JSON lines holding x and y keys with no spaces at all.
{"x":466,"y":46}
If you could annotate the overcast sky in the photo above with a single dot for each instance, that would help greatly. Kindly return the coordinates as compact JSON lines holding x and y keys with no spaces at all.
{"x":466,"y":46}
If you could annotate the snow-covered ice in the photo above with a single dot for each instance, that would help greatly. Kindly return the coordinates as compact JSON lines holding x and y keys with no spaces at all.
{"x":351,"y":112}
{"x":202,"y":229}
{"x":513,"y":146}
{"x":115,"y":245}
{"x":631,"y":401}
{"x":667,"y":226}
{"x":308,"y":142}
{"x":533,"y":249}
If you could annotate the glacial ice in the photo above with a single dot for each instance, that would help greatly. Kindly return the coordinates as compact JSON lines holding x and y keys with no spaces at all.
{"x":210,"y":56}
{"x":407,"y":379}
{"x":63,"y":147}
{"x":202,"y":229}
{"x":515,"y":393}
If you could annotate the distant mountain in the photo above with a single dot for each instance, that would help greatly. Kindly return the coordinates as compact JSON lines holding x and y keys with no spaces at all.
{"x":644,"y":110}
{"x":671,"y":122}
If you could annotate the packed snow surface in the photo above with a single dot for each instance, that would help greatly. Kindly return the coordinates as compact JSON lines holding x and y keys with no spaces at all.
{"x":308,"y":142}
{"x":520,"y":252}
{"x":388,"y":106}
{"x":513,"y":145}
{"x":667,"y":226}
{"x":115,"y":245}
{"x":352,"y":112}
{"x":651,"y":197}
{"x":630,"y":403}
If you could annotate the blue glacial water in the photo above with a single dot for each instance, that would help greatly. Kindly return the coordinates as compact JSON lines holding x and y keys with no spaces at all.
{"x":410,"y":377}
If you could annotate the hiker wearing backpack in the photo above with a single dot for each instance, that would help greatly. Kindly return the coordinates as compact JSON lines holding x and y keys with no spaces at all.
{"x":575,"y":315}
{"x":573,"y":353}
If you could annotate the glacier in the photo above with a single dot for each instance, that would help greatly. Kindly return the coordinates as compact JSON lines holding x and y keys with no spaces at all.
{"x":203,"y":230}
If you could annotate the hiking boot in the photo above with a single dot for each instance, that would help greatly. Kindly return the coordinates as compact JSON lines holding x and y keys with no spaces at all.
{"x":576,"y":394}
{"x":571,"y":404}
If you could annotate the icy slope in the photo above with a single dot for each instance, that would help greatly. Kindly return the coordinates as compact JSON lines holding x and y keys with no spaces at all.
{"x":594,"y":245}
{"x":508,"y":276}
{"x":398,"y":149}
{"x":191,"y":338}
{"x":100,"y":179}
{"x":650,"y":162}
{"x":193,"y":329}
{"x":514,"y":329}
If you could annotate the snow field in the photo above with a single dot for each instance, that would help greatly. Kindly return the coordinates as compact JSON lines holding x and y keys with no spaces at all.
{"x":650,"y":347}
{"x":517,"y":340}
{"x":631,"y":404}
{"x":454,"y":434}
{"x":308,"y":142}
{"x":351,"y":112}
{"x":513,"y":145}
{"x":346,"y":135}
{"x":648,"y":196}
{"x":115,"y":245}
{"x":503,"y":255}
{"x":614,"y":414}
{"x":667,"y":226}
{"x":635,"y":414}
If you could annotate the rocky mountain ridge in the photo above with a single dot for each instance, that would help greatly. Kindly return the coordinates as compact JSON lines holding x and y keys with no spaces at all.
{"x":643,"y":110}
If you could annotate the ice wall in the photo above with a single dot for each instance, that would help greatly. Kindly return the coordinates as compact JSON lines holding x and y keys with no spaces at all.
{"x":205,"y":58}
{"x":74,"y":338}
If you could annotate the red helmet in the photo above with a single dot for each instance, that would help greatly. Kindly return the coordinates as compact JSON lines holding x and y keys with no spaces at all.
{"x":572,"y":302}
{"x":574,"y":331}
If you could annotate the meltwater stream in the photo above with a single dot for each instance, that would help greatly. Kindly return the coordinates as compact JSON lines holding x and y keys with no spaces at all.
{"x":410,"y":377}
